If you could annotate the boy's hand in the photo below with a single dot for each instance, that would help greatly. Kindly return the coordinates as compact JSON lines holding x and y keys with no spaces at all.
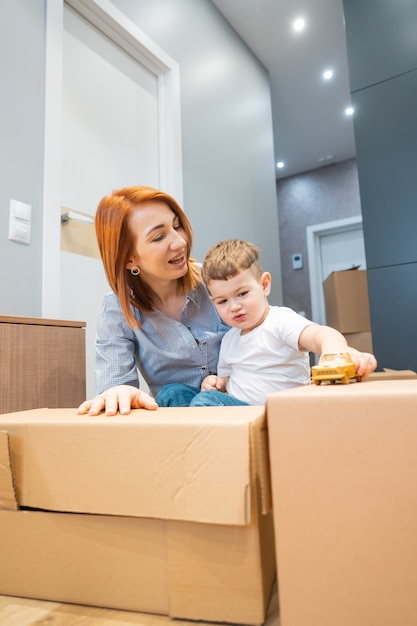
{"x":365,"y":362}
{"x":213,"y":383}
{"x":209,"y":383}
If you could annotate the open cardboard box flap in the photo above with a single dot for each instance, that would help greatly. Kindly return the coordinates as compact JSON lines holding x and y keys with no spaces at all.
{"x":390,"y":374}
{"x":7,"y":493}
{"x":165,"y":464}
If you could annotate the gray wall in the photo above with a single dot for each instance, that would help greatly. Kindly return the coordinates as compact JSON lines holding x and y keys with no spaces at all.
{"x":322,"y":195}
{"x":382,"y":55}
{"x":228,"y":159}
{"x":22,"y":59}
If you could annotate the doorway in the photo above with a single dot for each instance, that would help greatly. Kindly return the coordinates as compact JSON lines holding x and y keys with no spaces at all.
{"x":332,"y":246}
{"x":112,"y":120}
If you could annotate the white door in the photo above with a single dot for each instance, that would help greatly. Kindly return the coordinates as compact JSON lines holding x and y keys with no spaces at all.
{"x":109,"y":140}
{"x":112,"y":119}
{"x":332,"y":246}
{"x":341,"y":251}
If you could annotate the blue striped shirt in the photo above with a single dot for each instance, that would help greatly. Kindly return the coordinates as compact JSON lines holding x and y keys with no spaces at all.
{"x":163,"y":349}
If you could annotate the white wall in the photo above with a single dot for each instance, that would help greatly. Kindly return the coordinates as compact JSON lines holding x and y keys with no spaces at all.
{"x":22,"y":75}
{"x":228,"y":160}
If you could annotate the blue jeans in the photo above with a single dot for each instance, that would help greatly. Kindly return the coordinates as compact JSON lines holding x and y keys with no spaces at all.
{"x":176,"y":394}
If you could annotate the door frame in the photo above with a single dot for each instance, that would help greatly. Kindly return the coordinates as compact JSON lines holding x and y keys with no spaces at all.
{"x":113,"y":23}
{"x":314,"y":235}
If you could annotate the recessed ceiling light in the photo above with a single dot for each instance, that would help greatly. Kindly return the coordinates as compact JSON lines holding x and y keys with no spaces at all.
{"x":349,"y":111}
{"x":299,"y":24}
{"x":327,"y":74}
{"x":280,"y":164}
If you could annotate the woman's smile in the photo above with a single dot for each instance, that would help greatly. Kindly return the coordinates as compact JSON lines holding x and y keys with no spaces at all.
{"x":179,"y":259}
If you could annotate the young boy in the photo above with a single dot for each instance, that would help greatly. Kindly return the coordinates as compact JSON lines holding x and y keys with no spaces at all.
{"x":267,"y":348}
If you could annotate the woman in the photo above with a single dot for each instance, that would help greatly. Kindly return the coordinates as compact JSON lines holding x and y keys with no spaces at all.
{"x":159,"y":317}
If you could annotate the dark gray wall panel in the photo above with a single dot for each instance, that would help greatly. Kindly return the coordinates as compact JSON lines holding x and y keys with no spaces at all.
{"x":382,"y":55}
{"x":393,"y":306}
{"x":381,"y":39}
{"x":386,"y":147}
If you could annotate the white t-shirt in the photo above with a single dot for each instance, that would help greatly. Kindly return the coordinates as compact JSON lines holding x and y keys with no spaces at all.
{"x":266,"y":359}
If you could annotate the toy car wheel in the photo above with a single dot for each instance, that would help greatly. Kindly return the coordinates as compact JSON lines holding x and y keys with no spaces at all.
{"x":317,"y":382}
{"x":359,"y":378}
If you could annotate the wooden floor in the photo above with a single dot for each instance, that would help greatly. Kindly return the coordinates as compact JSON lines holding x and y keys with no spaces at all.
{"x":25,"y":612}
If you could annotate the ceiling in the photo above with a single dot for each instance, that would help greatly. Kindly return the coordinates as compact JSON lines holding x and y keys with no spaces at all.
{"x":311,"y":128}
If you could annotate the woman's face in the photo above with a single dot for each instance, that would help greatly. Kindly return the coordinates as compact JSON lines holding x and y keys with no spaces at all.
{"x":160,"y":243}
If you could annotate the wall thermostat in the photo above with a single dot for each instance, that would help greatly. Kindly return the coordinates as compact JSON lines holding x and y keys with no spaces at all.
{"x":297,"y":261}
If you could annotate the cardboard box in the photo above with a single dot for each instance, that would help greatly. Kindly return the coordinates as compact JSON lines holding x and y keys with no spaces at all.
{"x":347,"y":302}
{"x":344,"y":476}
{"x":166,"y":512}
{"x":360,"y":341}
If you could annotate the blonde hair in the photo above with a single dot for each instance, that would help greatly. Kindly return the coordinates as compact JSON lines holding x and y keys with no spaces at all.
{"x":116,"y":244}
{"x":227,"y":258}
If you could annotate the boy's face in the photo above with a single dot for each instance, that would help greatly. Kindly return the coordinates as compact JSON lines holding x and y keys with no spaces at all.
{"x":242,"y":301}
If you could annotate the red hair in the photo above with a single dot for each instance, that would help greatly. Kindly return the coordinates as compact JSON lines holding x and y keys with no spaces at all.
{"x":116,"y":244}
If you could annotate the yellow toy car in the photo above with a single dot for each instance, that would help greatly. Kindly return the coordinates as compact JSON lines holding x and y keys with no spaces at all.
{"x":337,"y":367}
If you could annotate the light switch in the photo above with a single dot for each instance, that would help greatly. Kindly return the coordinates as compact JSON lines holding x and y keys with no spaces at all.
{"x":20,"y":221}
{"x":20,"y":210}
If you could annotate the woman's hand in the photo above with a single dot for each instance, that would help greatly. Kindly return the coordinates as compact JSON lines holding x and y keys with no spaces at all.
{"x":122,"y":398}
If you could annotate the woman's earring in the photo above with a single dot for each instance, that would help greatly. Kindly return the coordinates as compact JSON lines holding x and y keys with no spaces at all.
{"x":135,"y":270}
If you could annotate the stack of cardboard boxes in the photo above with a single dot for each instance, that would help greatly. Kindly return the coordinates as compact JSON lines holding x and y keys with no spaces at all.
{"x":347,"y":307}
{"x":170,"y":511}
{"x":164,"y":511}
